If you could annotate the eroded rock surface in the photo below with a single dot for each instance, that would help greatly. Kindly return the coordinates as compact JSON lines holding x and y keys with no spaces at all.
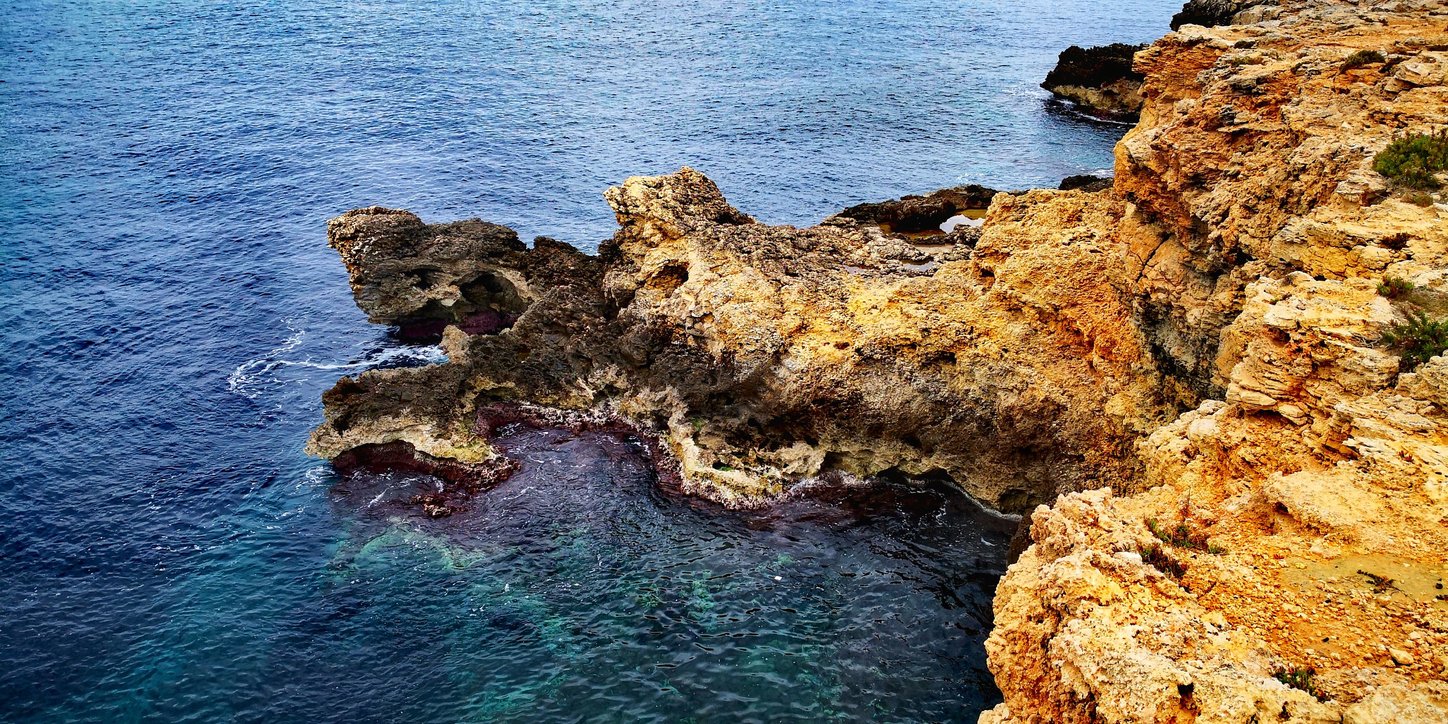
{"x":768,"y":356}
{"x":1299,"y":513}
{"x":1209,"y":13}
{"x":423,"y":278}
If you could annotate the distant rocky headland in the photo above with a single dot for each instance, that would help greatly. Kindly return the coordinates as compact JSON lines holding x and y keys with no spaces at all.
{"x":1213,"y":385}
{"x":1100,"y":81}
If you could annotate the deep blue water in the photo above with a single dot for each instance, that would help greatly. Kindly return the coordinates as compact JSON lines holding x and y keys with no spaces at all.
{"x":170,"y":315}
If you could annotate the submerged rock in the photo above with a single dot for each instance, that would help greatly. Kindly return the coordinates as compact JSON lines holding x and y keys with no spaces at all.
{"x":1099,"y":80}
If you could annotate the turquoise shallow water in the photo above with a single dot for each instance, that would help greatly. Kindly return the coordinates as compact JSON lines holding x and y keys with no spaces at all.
{"x":170,"y":315}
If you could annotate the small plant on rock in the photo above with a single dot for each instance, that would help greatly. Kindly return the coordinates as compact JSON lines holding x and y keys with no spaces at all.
{"x":1181,"y":535}
{"x":1154,"y":556}
{"x":1418,"y":340}
{"x":1380,"y":584}
{"x":1362,"y":58}
{"x":1419,"y":198}
{"x":1300,"y":677}
{"x":1395,"y":288}
{"x":1413,"y":161}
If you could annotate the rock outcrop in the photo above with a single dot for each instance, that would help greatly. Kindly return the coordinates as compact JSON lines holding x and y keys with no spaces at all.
{"x":922,"y":214}
{"x":424,"y":278}
{"x":1100,"y":81}
{"x":763,"y":357}
{"x":1254,"y":486}
{"x":1287,"y":560}
{"x":1210,"y":13}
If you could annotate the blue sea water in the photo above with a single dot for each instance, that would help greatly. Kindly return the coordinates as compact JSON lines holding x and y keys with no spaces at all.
{"x":170,"y":315}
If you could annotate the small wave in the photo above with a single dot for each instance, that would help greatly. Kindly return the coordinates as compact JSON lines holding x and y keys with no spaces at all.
{"x":253,"y":377}
{"x":243,"y":379}
{"x":315,"y":477}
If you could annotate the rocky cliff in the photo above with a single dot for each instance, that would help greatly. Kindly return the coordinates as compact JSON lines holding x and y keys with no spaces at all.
{"x":1287,"y":562}
{"x":1253,"y":518}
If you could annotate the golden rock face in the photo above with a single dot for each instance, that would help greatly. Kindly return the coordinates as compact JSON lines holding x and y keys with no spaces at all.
{"x":1303,"y":511}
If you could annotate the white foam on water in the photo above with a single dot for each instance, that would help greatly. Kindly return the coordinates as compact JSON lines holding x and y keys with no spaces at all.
{"x":253,"y":377}
{"x":526,"y":490}
{"x":244,"y":377}
{"x":314,"y":477}
{"x":960,"y":220}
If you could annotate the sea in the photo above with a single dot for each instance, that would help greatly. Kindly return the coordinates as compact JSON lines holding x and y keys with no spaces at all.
{"x":170,"y":315}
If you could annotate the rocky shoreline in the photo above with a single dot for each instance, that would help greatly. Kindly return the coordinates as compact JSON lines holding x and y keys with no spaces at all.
{"x":1240,"y":491}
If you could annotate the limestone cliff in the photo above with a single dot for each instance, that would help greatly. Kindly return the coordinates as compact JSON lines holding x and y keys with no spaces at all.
{"x":1288,"y":560}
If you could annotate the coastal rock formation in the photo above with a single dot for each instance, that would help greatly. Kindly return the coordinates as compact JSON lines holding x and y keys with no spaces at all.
{"x":1086,"y":182}
{"x":1253,"y":156}
{"x":1297,"y":527}
{"x":1253,"y":484}
{"x":425,"y":278}
{"x":922,"y":214}
{"x":1100,"y":81}
{"x":763,"y":357}
{"x":1210,"y":13}
{"x":1286,"y":561}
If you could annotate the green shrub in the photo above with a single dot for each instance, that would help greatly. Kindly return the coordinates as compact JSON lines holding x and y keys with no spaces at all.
{"x":1419,"y":198}
{"x":1419,"y":339}
{"x":1395,"y":288}
{"x":1362,"y":58}
{"x":1156,"y":557}
{"x":1300,"y":677}
{"x":1181,"y":535}
{"x":1412,"y":161}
